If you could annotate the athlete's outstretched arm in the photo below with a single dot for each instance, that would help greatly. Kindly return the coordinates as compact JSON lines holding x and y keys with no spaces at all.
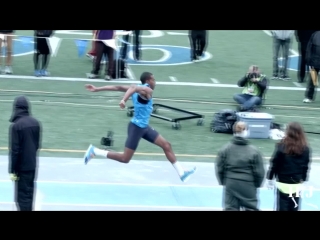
{"x":93,"y":88}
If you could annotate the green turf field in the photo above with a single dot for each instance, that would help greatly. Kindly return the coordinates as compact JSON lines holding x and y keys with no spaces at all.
{"x":73,"y":118}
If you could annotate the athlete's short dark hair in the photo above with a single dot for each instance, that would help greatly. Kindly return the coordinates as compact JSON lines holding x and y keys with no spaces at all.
{"x":145,"y":77}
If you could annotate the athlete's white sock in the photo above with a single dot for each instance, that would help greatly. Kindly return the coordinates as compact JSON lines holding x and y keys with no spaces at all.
{"x":178,"y":168}
{"x":100,"y":152}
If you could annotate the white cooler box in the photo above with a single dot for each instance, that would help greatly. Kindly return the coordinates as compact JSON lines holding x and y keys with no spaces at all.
{"x":258,"y":123}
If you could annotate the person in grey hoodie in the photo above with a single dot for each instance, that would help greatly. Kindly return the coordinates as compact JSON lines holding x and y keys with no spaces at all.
{"x":240,"y":170}
{"x":281,"y":39}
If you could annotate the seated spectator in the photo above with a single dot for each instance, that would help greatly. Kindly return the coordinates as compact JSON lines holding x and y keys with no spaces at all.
{"x":254,"y":84}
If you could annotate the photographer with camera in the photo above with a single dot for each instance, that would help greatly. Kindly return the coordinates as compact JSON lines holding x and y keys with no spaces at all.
{"x":255,"y":85}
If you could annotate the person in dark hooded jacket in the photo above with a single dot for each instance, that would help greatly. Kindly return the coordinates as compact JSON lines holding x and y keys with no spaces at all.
{"x":24,"y":143}
{"x":240,"y":170}
{"x":313,"y":60}
{"x":303,"y":37}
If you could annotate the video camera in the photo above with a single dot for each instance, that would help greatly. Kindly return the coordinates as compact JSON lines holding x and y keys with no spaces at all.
{"x":253,"y":75}
{"x":107,"y":141}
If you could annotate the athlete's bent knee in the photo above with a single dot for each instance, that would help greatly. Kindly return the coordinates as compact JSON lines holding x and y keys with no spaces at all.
{"x":166,"y":146}
{"x":127,"y":156}
{"x":126,"y":159}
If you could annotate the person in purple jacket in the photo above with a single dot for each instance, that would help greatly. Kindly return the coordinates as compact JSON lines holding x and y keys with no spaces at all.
{"x":102,"y":49}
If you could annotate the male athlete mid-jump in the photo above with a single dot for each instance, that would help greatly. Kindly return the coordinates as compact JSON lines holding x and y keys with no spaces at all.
{"x":139,"y":125}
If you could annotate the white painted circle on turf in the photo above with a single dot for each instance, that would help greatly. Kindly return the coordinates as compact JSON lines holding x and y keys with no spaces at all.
{"x":19,"y":48}
{"x":153,"y":34}
{"x":178,"y":56}
{"x":166,"y":55}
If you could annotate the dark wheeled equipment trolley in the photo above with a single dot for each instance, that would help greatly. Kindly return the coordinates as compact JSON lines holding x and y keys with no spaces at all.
{"x":175,"y":121}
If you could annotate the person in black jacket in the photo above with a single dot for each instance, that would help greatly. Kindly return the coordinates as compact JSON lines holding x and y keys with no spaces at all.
{"x":7,"y":36}
{"x":42,"y":48}
{"x":313,"y":60}
{"x":136,"y":45}
{"x":303,"y":37}
{"x":290,"y":166}
{"x":24,"y":143}
{"x":198,"y":42}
